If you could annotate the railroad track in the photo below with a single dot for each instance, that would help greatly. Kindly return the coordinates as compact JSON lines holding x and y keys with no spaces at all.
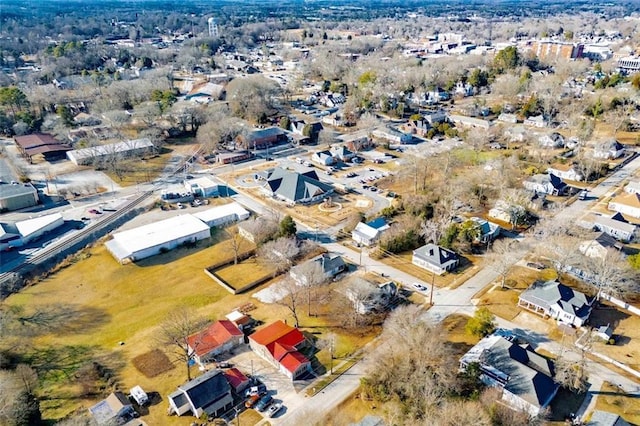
{"x":84,"y":235}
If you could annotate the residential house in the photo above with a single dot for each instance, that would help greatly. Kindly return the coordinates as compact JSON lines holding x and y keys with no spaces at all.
{"x":633,"y":187}
{"x":328,"y":265}
{"x":294,"y":187}
{"x":609,"y":150}
{"x":368,"y":297}
{"x":298,"y":127}
{"x":435,"y":117}
{"x":616,"y":226}
{"x":237,"y":380}
{"x":557,"y":301}
{"x":552,"y":140}
{"x":342,"y":153}
{"x":546,"y":184}
{"x":369,"y":233}
{"x":417,"y":127}
{"x":323,"y":158}
{"x":488,"y":231}
{"x":280,"y":344}
{"x":536,"y":121}
{"x":628,"y":204}
{"x":205,"y":93}
{"x":435,"y":259}
{"x":470,"y":122}
{"x":114,"y":409}
{"x":501,"y":212}
{"x":392,"y":135}
{"x":508,"y":118}
{"x":599,"y":246}
{"x":221,"y":336}
{"x":357,"y":141}
{"x":525,"y":377}
{"x":566,"y":171}
{"x":516,"y":133}
{"x":209,"y":393}
{"x":463,"y":89}
{"x":605,"y":418}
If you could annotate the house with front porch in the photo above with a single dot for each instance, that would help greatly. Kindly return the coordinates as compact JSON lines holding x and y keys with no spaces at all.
{"x":558,"y":301}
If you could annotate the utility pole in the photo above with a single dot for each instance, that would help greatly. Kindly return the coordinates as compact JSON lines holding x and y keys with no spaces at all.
{"x":433,"y":280}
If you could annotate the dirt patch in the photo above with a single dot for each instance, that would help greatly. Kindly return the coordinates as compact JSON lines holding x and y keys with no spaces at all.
{"x":152,"y":363}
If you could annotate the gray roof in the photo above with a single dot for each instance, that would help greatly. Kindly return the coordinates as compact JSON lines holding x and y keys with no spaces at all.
{"x":296,"y":187}
{"x":604,"y":418}
{"x":211,"y":391}
{"x":9,"y":191}
{"x":546,"y":294}
{"x":111,"y":408}
{"x":518,"y":368}
{"x":614,"y":223}
{"x":436,"y":255}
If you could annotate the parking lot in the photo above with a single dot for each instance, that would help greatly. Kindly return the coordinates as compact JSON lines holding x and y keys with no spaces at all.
{"x":278,"y":385}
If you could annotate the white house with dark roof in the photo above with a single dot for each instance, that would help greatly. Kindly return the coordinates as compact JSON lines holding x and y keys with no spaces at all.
{"x":599,"y":246}
{"x":435,"y":259}
{"x":557,"y":301}
{"x":546,"y":184}
{"x":552,"y":140}
{"x":628,"y":204}
{"x":525,"y":377}
{"x":329,"y":265}
{"x":566,"y":171}
{"x":369,"y":233}
{"x":324,"y":158}
{"x":609,"y":150}
{"x":209,"y":393}
{"x":616,"y":226}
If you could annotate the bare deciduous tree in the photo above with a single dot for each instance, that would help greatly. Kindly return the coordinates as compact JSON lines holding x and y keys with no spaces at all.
{"x":279,"y":253}
{"x":291,"y":297}
{"x":503,"y":255}
{"x":174,"y":333}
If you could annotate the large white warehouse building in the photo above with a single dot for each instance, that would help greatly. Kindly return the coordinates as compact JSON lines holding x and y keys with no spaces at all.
{"x":223,"y":215}
{"x":152,"y":239}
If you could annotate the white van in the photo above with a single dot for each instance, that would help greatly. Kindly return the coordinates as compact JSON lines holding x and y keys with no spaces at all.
{"x":139,"y":395}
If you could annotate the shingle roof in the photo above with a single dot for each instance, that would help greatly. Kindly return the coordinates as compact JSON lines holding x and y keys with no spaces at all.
{"x":436,"y":255}
{"x":235,"y":377}
{"x":551,"y":292}
{"x":632,"y":200}
{"x":296,"y":187}
{"x":207,"y":389}
{"x":293,"y":360}
{"x":526,"y":373}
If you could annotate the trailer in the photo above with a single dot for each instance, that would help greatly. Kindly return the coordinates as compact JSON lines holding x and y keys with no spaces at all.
{"x":139,"y":395}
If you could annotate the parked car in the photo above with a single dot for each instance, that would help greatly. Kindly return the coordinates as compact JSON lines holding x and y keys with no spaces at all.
{"x":253,"y":400}
{"x":181,"y":206}
{"x":94,"y":211}
{"x":535,"y":265}
{"x":419,"y":287}
{"x":273,"y":410}
{"x":223,"y":364}
{"x":264,"y":402}
{"x":259,"y":389}
{"x":307,"y":163}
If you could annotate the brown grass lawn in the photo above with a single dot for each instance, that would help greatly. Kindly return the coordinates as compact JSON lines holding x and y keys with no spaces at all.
{"x":115,"y":303}
{"x":612,"y":400}
{"x":352,"y":410}
{"x":244,"y":272}
{"x":503,"y":302}
{"x":249,"y":417}
{"x":116,"y":310}
{"x":460,"y":340}
{"x":626,"y":328}
{"x":402,"y":262}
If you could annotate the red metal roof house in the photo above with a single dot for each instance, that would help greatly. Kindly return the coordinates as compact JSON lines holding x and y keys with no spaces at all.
{"x":279,"y":344}
{"x":219,"y":337}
